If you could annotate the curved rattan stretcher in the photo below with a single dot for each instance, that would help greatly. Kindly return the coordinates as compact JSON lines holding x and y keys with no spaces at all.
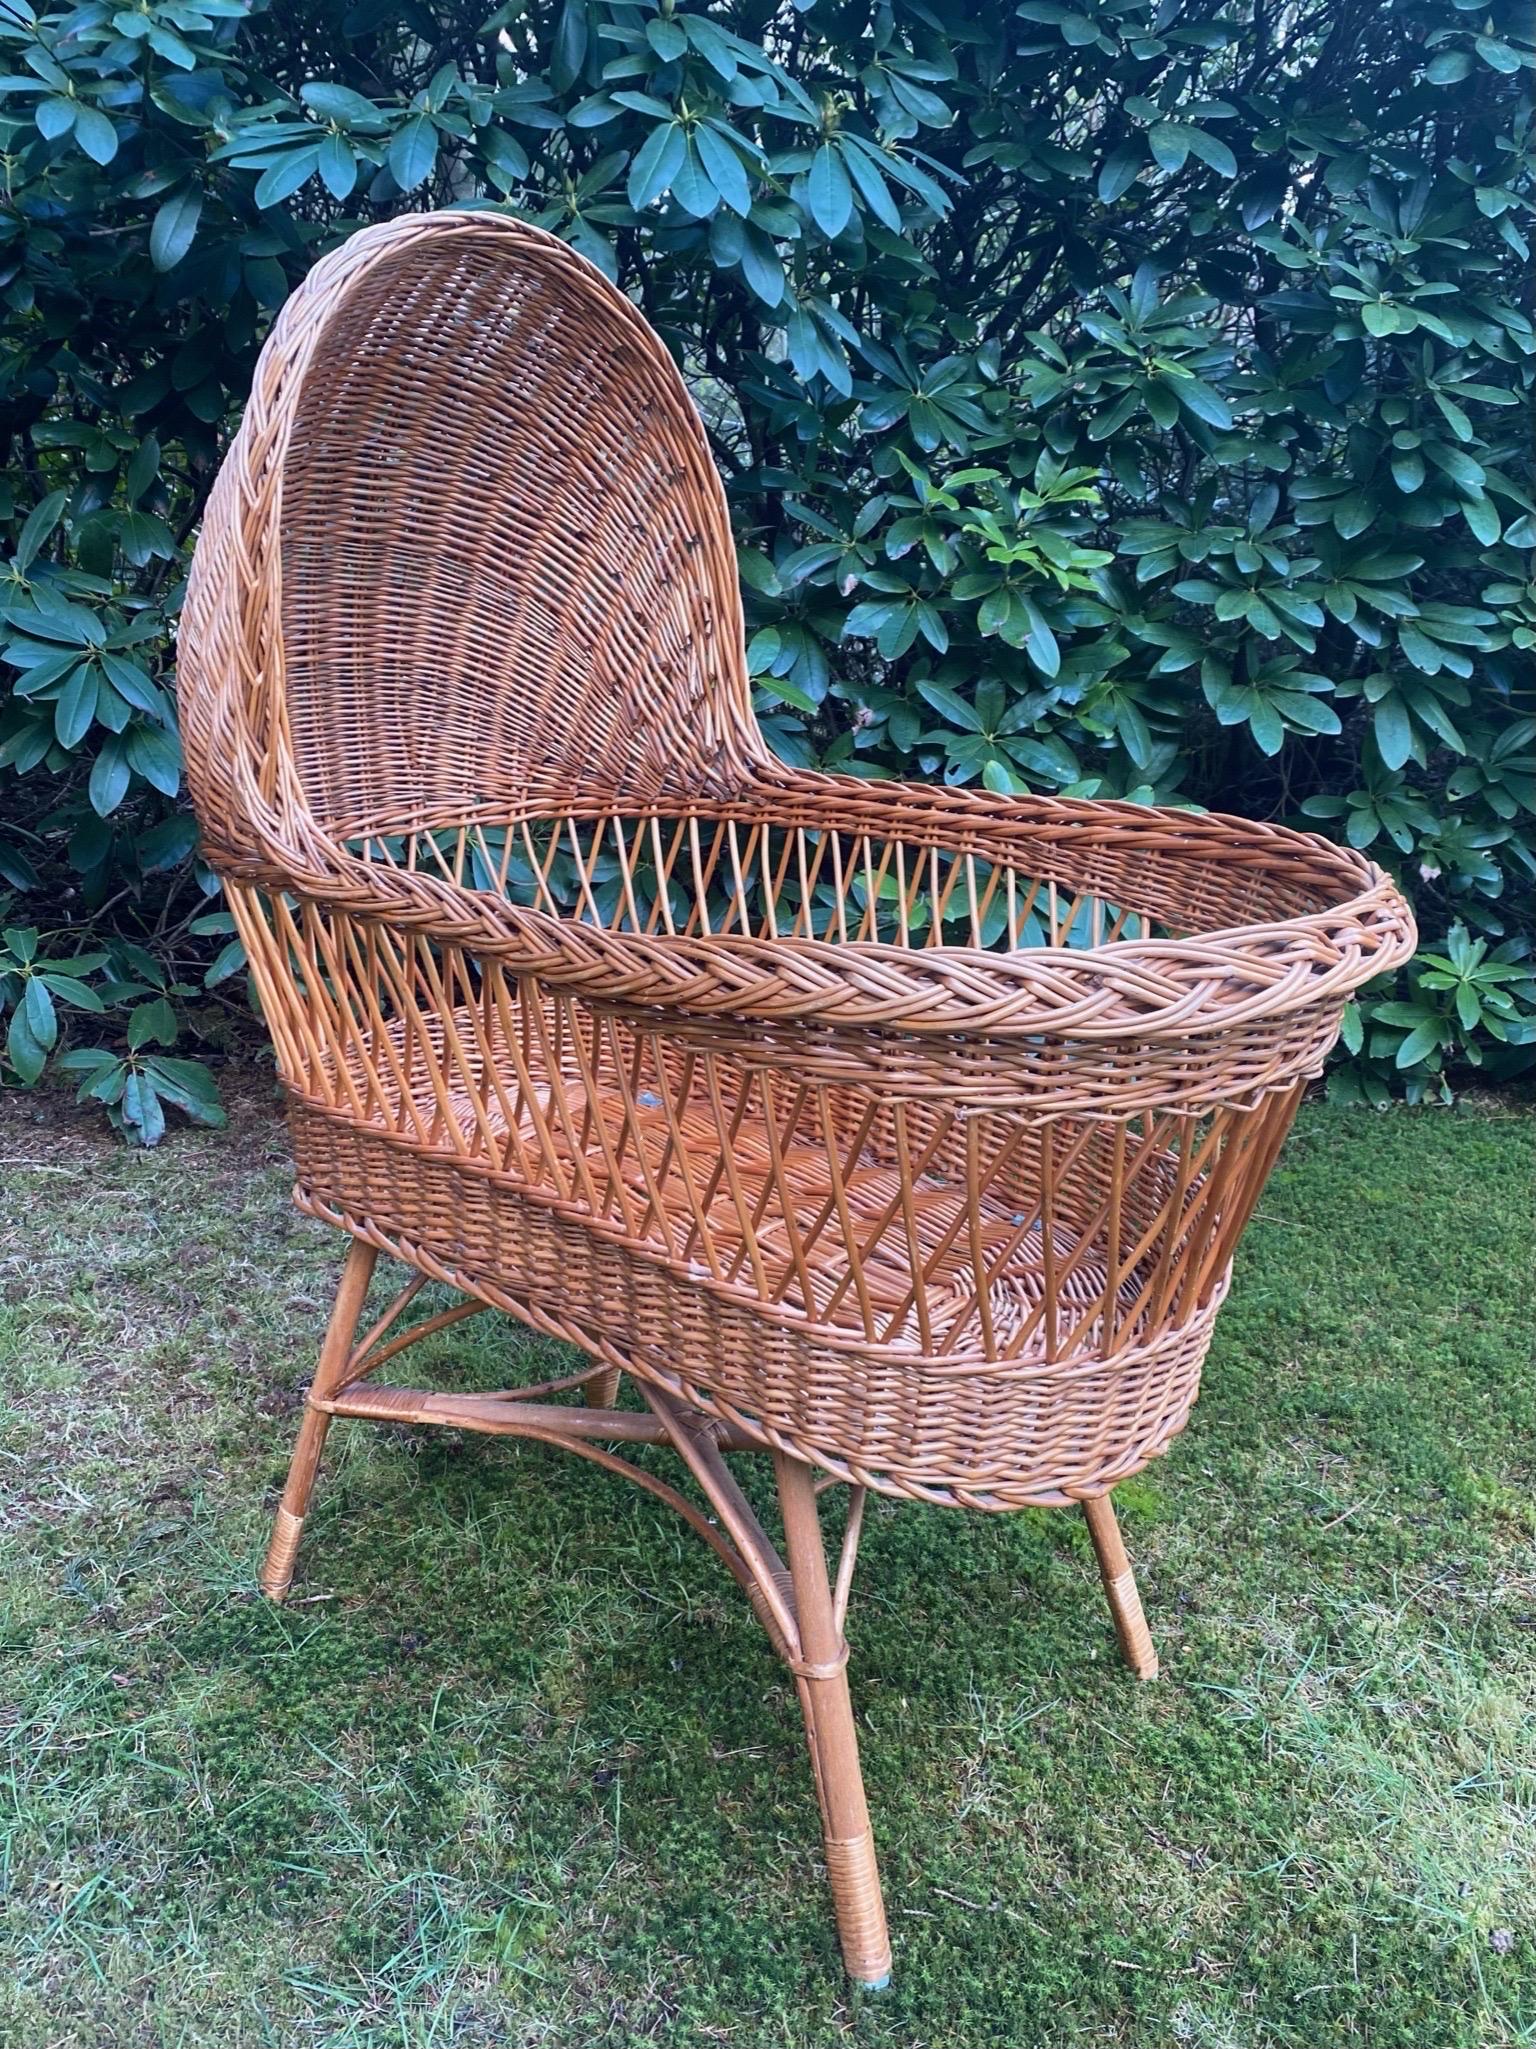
{"x":905,"y":1133}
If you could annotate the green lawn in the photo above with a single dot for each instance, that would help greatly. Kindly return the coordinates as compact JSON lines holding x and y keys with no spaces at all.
{"x":516,"y":1766}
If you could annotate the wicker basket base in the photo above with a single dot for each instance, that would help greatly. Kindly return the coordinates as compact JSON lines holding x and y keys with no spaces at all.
{"x":956,"y":1433}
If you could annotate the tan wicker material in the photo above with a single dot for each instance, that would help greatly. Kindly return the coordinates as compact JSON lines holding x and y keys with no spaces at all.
{"x":908,"y":1133}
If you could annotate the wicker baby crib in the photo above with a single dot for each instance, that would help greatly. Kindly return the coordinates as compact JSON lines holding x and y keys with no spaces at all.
{"x":906,"y":1134}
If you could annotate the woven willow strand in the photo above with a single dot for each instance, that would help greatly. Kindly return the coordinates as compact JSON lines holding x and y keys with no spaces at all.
{"x":904,"y":1133}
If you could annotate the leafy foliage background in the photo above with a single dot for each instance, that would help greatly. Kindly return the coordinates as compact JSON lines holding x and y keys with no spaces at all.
{"x":1114,"y":397}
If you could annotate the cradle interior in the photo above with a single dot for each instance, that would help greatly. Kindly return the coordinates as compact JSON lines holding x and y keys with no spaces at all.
{"x":746,"y":870}
{"x":926,"y":1229}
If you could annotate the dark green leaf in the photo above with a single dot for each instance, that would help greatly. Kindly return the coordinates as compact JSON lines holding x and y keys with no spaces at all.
{"x":37,"y":1007}
{"x":761,"y":268}
{"x":286,"y":175}
{"x":667,"y":39}
{"x":1041,"y":642}
{"x":950,"y":706}
{"x":1457,"y":465}
{"x":109,"y":778}
{"x":828,"y":191}
{"x":55,"y":117}
{"x":1120,"y":170}
{"x":1170,"y":142}
{"x":694,"y":189}
{"x":570,"y":51}
{"x":1419,"y":1044}
{"x":723,"y":168}
{"x":656,"y":163}
{"x":1448,"y":68}
{"x":866,"y":174}
{"x":1408,"y":470}
{"x":153,"y":754}
{"x":413,"y":152}
{"x":186,"y":1084}
{"x":74,"y":708}
{"x":174,"y":227}
{"x":38,"y":525}
{"x":337,"y":166}
{"x":26,"y":1056}
{"x":340,"y":104}
{"x":142,"y":1114}
{"x":1497,"y":55}
{"x":95,"y":134}
{"x":152,"y":1022}
{"x":1482,"y":517}
{"x":1393,"y":730}
{"x":1198,"y":398}
{"x":1266,"y":726}
{"x":1211,"y":150}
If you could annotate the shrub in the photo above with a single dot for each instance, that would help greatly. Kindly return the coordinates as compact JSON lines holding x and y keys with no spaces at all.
{"x":1114,"y":397}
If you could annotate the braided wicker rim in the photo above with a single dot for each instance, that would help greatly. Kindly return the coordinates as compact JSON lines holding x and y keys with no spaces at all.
{"x":1141,"y":988}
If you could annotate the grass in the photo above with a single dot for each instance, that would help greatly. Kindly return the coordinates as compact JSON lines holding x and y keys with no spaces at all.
{"x":516,"y":1767}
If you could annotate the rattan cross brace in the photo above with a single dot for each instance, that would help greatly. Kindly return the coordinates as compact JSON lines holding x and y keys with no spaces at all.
{"x":797,"y":1605}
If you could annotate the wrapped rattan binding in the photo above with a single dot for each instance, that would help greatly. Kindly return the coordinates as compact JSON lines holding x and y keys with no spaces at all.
{"x":906,"y":1132}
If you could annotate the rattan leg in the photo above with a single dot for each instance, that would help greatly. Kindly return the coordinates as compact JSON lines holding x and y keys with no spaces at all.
{"x":1136,"y":1644}
{"x":823,"y":1684}
{"x":277,"y":1571}
{"x":602,"y":1390}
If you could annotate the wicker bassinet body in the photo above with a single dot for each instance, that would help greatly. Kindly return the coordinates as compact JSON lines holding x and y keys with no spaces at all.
{"x":911,"y":1130}
{"x":906,"y":1132}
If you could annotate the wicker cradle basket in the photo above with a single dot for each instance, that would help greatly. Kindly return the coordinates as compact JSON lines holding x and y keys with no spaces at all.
{"x":906,"y":1132}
